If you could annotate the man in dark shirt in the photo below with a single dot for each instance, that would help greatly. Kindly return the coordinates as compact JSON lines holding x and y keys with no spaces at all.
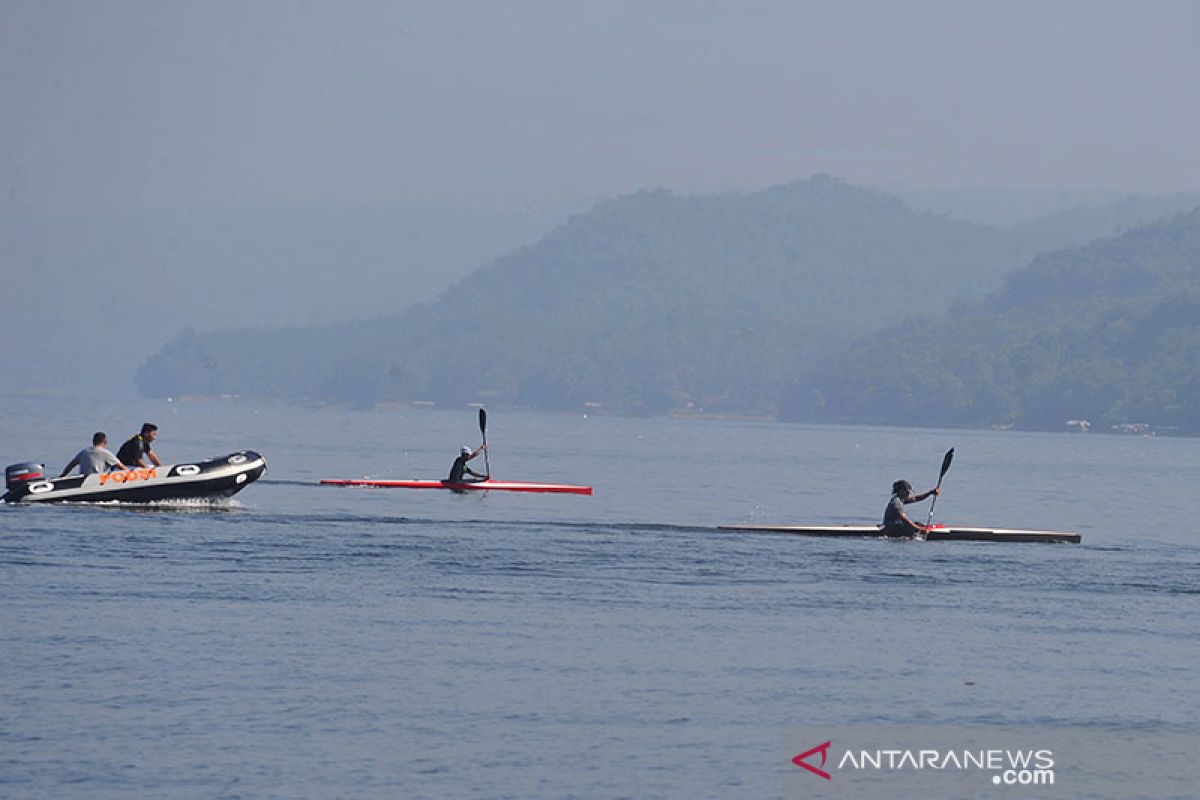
{"x":138,"y":448}
{"x":460,"y":467}
{"x":895,"y":521}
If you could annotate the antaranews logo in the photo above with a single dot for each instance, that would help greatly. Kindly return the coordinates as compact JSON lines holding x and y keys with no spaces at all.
{"x":1009,"y":767}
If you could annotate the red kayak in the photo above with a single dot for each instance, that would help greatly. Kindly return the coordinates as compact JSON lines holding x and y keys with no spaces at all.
{"x":476,"y":486}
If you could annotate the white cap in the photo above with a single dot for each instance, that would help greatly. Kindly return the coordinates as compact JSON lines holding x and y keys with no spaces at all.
{"x":466,"y":451}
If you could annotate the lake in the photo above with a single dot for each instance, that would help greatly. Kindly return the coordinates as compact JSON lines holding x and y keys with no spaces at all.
{"x":309,"y":641}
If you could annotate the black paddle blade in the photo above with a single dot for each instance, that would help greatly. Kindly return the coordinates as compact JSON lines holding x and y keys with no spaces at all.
{"x":482,"y":421}
{"x":945,"y":462}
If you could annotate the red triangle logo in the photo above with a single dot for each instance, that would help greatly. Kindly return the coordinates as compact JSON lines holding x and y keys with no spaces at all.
{"x":823,"y":749}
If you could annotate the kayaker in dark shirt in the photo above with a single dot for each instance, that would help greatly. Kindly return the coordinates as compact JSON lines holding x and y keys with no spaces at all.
{"x":460,"y":467}
{"x":138,"y":448}
{"x":895,"y":521}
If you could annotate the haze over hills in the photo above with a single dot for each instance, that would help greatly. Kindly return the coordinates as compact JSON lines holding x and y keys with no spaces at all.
{"x":94,"y":295}
{"x":1103,"y":212}
{"x":649,"y":303}
{"x":1085,"y":223}
{"x":1107,"y":332}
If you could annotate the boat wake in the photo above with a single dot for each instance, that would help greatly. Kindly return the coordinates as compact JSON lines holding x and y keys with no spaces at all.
{"x":186,"y":504}
{"x":196,"y":505}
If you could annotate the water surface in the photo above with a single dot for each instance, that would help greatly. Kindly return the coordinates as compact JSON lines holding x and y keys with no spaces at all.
{"x":308,"y":641}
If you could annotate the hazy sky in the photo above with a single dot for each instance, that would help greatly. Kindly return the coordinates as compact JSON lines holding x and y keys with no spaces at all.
{"x":501,"y":105}
{"x":166,"y":164}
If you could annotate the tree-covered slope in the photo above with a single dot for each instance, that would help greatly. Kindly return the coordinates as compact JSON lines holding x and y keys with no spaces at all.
{"x":1108,"y":332}
{"x":650,"y":302}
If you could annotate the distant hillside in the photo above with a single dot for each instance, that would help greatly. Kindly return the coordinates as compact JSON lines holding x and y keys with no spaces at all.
{"x":158,"y":272}
{"x":1080,"y":215}
{"x":649,"y":303}
{"x":1108,"y":332}
{"x":1085,"y":223}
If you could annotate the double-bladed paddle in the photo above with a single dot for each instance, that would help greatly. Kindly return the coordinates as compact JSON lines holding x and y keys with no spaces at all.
{"x":945,"y":468}
{"x":483,"y":432}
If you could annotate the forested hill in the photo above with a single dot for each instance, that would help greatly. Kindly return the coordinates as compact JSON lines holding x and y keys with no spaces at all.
{"x":648,"y":303}
{"x":1108,"y":332}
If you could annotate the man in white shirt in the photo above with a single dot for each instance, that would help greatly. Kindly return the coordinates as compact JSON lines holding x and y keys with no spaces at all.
{"x":97,"y":458}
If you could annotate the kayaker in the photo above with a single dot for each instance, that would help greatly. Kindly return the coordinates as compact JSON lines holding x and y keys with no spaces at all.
{"x":460,"y":468}
{"x":895,"y":521}
{"x":137,"y":448}
{"x":97,"y":458}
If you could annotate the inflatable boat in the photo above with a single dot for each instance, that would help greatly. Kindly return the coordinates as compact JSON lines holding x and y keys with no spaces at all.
{"x":217,"y":477}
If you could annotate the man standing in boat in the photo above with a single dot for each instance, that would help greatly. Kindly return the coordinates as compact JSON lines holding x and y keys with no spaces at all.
{"x":97,"y":458}
{"x":138,"y":448}
{"x":895,"y":521}
{"x":460,"y":468}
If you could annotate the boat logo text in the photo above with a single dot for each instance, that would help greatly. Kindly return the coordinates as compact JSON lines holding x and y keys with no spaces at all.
{"x":126,"y":476}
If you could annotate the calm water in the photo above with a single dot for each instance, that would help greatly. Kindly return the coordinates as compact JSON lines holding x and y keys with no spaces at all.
{"x":308,"y":641}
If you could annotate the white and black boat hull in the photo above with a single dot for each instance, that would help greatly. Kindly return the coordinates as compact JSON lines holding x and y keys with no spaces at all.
{"x":939,"y":533}
{"x":214,"y":478}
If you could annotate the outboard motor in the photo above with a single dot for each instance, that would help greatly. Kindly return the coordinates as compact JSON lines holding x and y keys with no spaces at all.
{"x":16,"y":475}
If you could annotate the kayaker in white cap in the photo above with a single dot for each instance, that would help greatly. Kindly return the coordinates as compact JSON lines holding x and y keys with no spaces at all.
{"x":460,"y":468}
